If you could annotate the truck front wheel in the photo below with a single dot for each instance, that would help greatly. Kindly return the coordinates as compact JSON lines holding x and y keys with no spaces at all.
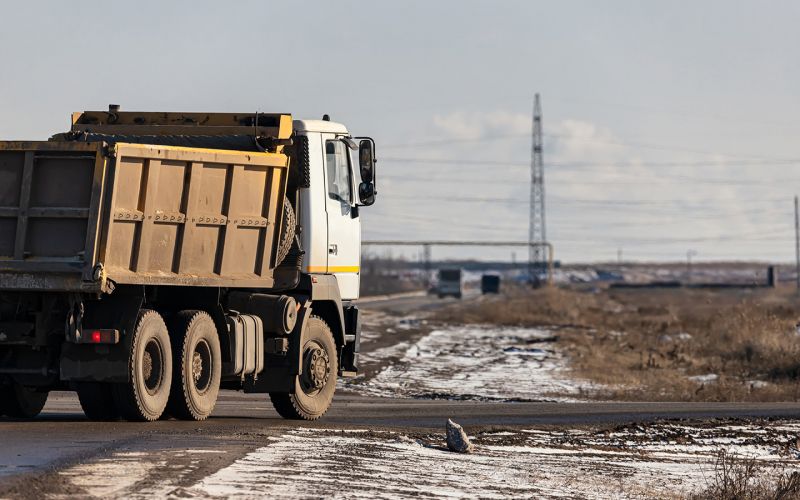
{"x":145,"y":395}
{"x":313,"y":390}
{"x":197,"y":366}
{"x":18,"y":401}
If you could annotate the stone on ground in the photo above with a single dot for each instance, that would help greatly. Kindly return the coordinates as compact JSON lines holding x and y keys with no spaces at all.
{"x":457,"y":439}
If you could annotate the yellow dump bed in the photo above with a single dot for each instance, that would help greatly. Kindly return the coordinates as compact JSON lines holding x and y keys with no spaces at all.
{"x":87,"y":215}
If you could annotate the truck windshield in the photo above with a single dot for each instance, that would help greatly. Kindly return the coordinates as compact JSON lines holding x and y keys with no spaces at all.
{"x":338,"y":169}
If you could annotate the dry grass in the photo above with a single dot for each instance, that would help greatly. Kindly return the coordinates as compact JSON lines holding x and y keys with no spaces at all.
{"x":647,"y":344}
{"x":738,"y":478}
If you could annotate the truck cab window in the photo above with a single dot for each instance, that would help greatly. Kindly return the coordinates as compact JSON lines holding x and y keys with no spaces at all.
{"x":337,"y":165}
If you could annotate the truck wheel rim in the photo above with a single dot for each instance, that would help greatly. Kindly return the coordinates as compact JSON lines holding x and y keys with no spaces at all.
{"x":201,"y":366}
{"x":316,"y":368}
{"x":153,"y":366}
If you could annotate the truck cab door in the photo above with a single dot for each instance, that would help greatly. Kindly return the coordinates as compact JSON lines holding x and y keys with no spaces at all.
{"x":344,"y":225}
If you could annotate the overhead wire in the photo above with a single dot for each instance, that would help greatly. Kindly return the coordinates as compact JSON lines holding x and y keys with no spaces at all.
{"x":642,"y":206}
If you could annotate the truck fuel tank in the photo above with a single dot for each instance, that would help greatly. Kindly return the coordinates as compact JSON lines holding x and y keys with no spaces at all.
{"x":246,"y":340}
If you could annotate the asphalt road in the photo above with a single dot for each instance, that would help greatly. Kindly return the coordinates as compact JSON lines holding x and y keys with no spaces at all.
{"x":62,"y":436}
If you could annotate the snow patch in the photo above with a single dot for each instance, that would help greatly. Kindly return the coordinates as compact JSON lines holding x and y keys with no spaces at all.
{"x":633,"y":462}
{"x":110,"y":477}
{"x":476,"y":362}
{"x":705,"y":379}
{"x":663,"y":459}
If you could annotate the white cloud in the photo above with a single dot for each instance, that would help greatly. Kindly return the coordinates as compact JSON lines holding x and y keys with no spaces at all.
{"x":580,"y":141}
{"x":462,"y":125}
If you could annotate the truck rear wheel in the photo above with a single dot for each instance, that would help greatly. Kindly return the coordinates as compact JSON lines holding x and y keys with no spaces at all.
{"x":197,"y":361}
{"x":313,"y":390}
{"x":18,"y":401}
{"x":97,"y":400}
{"x":145,"y":395}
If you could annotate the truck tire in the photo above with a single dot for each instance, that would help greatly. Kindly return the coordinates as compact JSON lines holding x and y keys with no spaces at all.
{"x":144,"y":397}
{"x":313,"y":390}
{"x":197,"y":366}
{"x":97,"y":401}
{"x":289,"y":224}
{"x":18,"y":401}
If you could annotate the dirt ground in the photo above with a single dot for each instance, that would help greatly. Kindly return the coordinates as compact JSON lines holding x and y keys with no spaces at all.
{"x":670,"y":344}
{"x":516,"y":387}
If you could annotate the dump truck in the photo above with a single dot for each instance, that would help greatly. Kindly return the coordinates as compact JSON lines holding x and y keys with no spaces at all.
{"x":149,"y":260}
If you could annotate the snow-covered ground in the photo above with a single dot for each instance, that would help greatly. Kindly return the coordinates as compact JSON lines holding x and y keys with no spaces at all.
{"x":657,"y":460}
{"x":475,"y":362}
{"x":742,"y":274}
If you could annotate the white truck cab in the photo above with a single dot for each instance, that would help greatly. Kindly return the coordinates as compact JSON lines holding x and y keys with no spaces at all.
{"x":330,"y":215}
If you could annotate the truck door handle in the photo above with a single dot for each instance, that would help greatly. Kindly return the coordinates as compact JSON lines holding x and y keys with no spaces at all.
{"x":333,"y":249}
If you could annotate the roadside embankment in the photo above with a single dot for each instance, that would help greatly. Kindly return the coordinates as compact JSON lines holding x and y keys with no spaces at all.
{"x":661,"y":345}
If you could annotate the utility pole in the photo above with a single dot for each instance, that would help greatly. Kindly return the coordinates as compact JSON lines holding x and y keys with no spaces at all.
{"x":797,"y":242}
{"x":426,"y":258}
{"x":689,"y":255}
{"x":536,"y":230}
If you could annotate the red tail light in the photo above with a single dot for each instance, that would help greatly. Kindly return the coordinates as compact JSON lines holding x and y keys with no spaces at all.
{"x":99,"y":336}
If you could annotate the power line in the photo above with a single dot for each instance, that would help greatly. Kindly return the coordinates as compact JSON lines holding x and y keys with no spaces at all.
{"x":577,"y":138}
{"x":746,"y":238}
{"x":694,"y":164}
{"x":666,"y":203}
{"x":754,"y":236}
{"x":436,"y":222}
{"x":557,"y":178}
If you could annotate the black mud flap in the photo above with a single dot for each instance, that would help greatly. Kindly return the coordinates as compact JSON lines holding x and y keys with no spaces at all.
{"x":94,"y":363}
{"x":280,"y":370}
{"x":349,"y":355}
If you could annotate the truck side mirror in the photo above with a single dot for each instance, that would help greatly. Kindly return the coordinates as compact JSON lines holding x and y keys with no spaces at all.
{"x":366,"y":193}
{"x":366,"y":160}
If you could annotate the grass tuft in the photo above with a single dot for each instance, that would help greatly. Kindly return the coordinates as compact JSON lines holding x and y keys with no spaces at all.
{"x":737,"y":478}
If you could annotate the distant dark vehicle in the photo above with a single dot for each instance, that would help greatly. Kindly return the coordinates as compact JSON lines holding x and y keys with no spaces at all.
{"x":449,"y":283}
{"x":490,"y":283}
{"x":603,"y":275}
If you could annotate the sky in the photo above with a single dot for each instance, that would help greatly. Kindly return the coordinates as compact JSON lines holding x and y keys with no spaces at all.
{"x":669,"y":127}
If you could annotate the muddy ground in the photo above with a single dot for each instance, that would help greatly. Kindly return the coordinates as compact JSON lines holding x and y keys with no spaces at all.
{"x":384,"y":436}
{"x":662,"y":344}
